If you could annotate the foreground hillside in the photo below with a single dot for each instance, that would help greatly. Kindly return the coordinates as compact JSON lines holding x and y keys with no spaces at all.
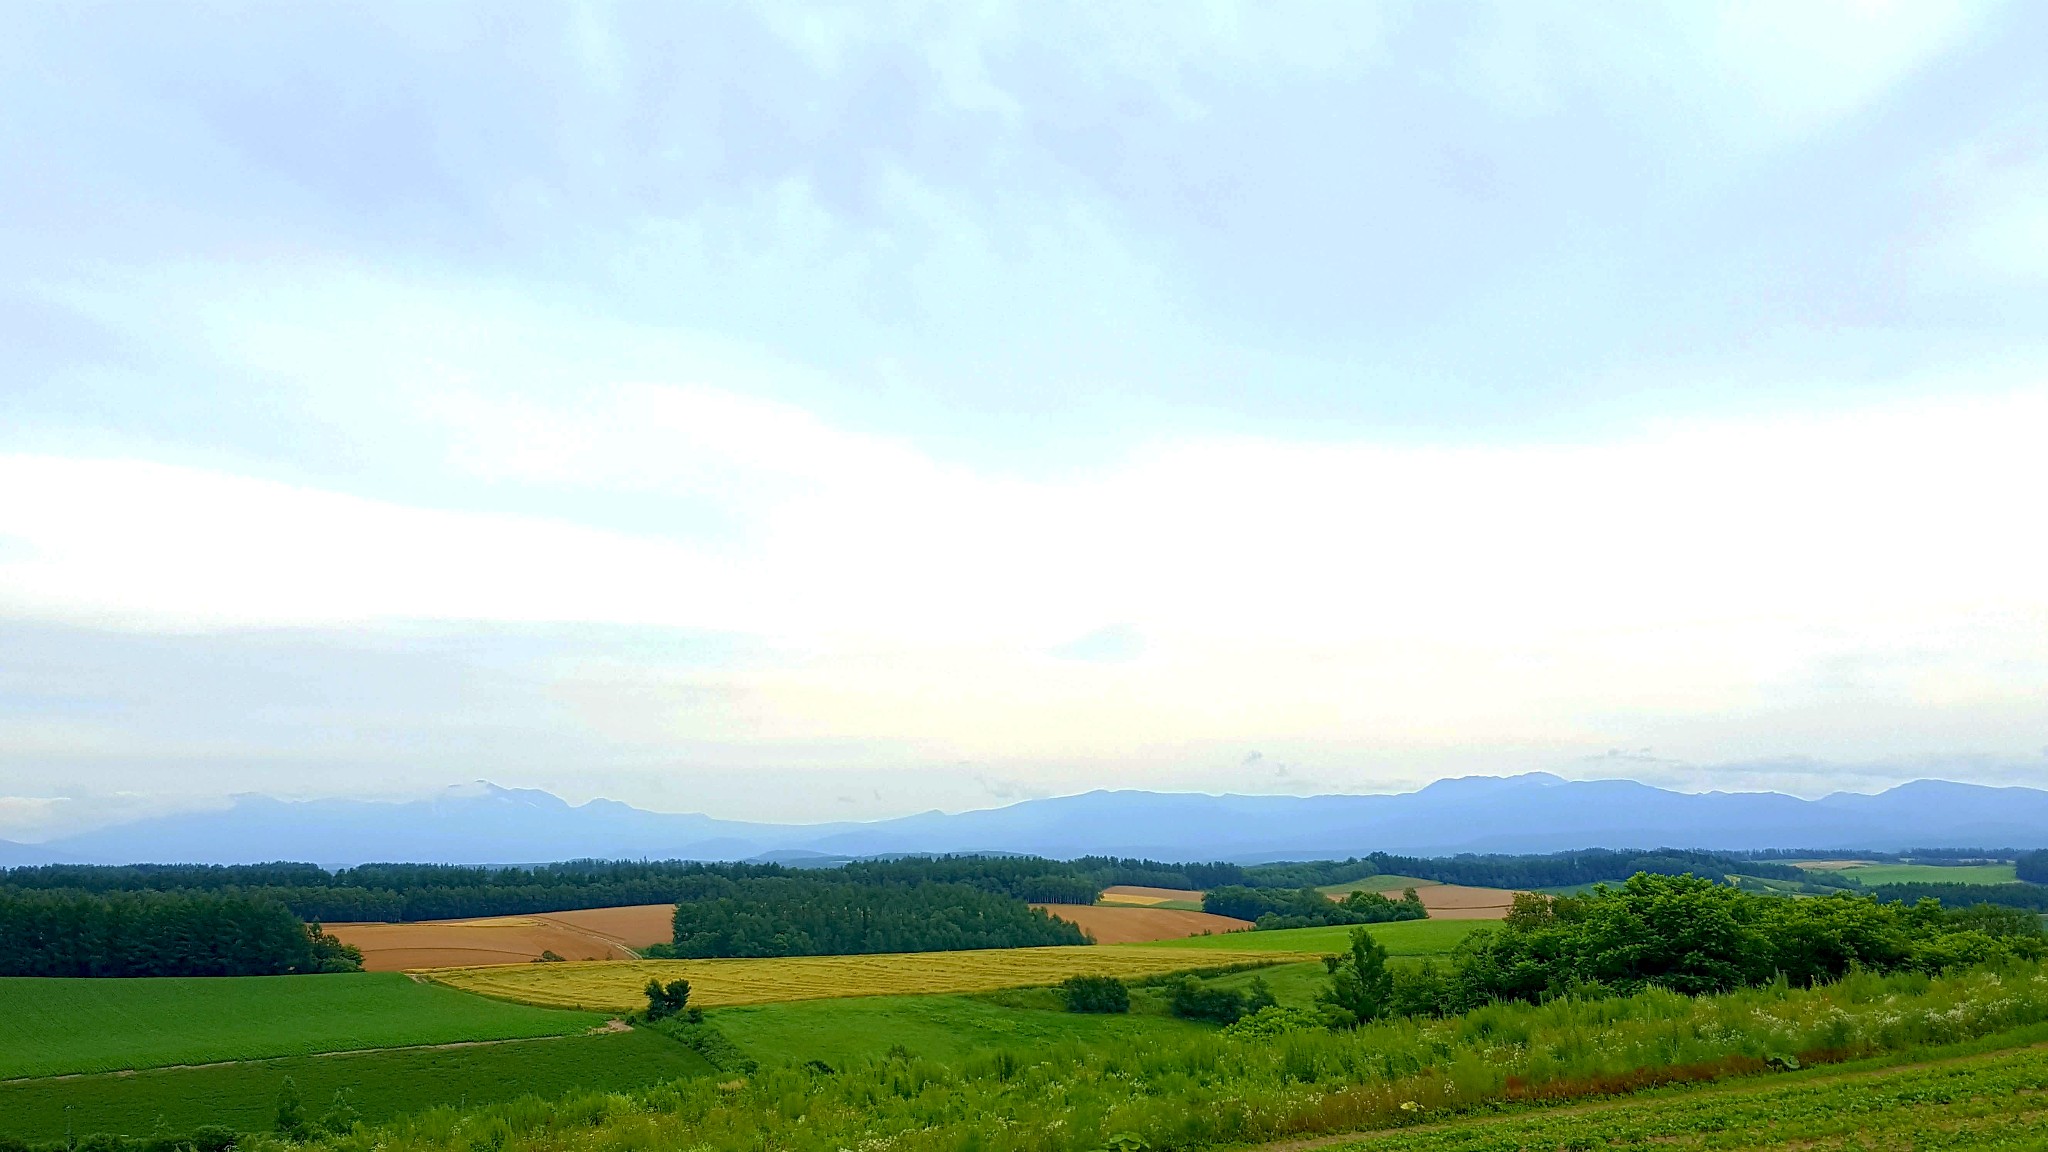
{"x":1994,"y":1101}
{"x":1165,"y":1091}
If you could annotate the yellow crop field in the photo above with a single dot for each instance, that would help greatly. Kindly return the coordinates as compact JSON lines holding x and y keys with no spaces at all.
{"x":617,"y":985}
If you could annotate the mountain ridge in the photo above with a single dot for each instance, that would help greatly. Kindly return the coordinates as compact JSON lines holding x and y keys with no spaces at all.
{"x":482,"y":823}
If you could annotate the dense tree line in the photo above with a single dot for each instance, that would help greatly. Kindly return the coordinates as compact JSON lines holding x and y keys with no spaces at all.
{"x":2033,"y":897}
{"x":161,"y":934}
{"x":822,"y":914}
{"x":2033,"y":867}
{"x":1307,"y":907}
{"x":1551,"y":870}
{"x":1040,"y":880}
{"x":1693,"y":936}
{"x":395,"y":892}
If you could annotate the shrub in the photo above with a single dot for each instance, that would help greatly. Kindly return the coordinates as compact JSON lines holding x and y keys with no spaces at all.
{"x":1198,"y":1001}
{"x":666,"y":1000}
{"x":1095,"y":994}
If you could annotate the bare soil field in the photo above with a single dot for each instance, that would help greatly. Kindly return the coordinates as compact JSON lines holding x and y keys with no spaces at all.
{"x":636,"y":926}
{"x":1459,"y":902}
{"x":1132,"y":894}
{"x":493,"y":940}
{"x":1109,"y":924}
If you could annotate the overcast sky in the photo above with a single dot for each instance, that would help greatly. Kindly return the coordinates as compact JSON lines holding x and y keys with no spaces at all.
{"x":835,"y":412}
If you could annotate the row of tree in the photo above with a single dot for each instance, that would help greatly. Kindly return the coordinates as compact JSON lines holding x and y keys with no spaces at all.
{"x":161,"y":934}
{"x":818,"y":914}
{"x":2032,"y":897}
{"x":1307,"y":907}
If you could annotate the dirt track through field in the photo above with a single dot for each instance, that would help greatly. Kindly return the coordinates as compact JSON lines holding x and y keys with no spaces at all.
{"x":584,"y":934}
{"x":1109,"y":924}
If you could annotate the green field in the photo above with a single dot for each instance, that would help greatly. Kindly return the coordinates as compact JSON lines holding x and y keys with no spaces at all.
{"x":952,"y":1028}
{"x":56,"y":1026}
{"x":941,"y":1028}
{"x":1871,"y":875}
{"x":1983,"y":1102}
{"x":1374,"y":884}
{"x":381,"y":1085}
{"x":1400,"y":938}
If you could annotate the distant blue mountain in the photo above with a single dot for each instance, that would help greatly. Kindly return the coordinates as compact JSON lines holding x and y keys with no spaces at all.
{"x":1537,"y":812}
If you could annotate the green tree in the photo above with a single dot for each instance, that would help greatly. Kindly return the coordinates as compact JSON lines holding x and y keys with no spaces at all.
{"x":666,"y":1000}
{"x":291,"y":1111}
{"x":1360,"y":984}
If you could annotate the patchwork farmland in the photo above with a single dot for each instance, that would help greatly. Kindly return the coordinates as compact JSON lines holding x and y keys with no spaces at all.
{"x":618,"y":986}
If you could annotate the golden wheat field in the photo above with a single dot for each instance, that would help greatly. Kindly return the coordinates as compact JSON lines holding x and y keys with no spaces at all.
{"x":617,"y":986}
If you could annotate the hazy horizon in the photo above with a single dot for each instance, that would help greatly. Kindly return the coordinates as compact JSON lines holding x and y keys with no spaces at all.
{"x":825,"y":412}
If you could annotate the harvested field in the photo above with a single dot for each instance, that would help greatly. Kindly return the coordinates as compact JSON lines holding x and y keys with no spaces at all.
{"x":491,"y":940}
{"x":1133,"y":894}
{"x":1387,"y":883}
{"x":618,"y":986}
{"x":635,"y":927}
{"x":1110,"y":924}
{"x":1459,"y":902}
{"x":1444,"y":901}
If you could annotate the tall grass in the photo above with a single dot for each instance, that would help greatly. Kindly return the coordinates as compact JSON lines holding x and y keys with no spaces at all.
{"x":1215,"y":1089}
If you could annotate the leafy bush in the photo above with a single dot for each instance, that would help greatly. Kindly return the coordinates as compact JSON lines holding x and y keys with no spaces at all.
{"x":1277,"y":1020}
{"x":1694,"y":936}
{"x":665,"y":1000}
{"x":1194,"y":1000}
{"x":1105,"y":994}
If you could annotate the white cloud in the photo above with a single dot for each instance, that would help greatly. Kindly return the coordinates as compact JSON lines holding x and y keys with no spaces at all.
{"x":1356,"y":591}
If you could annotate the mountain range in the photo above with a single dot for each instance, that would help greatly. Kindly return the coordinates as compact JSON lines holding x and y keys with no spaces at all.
{"x":1535,"y":812}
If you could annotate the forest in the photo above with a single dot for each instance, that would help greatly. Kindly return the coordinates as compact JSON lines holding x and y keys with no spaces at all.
{"x":820,"y":914}
{"x":161,"y":934}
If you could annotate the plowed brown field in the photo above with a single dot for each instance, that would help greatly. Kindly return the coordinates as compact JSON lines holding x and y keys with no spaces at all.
{"x":636,"y":927}
{"x":1134,"y":894}
{"x":1458,"y":902}
{"x":1112,"y":925}
{"x":585,"y":934}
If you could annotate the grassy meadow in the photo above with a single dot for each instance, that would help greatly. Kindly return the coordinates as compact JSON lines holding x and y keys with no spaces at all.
{"x":1871,"y":875}
{"x":1374,"y":884}
{"x":61,"y":1026}
{"x":1997,"y":1101}
{"x":617,"y":986}
{"x":952,"y":1028}
{"x":1400,"y":938}
{"x":381,"y":1085}
{"x":1210,"y":1088}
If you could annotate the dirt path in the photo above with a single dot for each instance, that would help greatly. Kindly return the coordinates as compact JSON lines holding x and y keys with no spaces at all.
{"x":1610,"y":1103}
{"x":610,"y":1026}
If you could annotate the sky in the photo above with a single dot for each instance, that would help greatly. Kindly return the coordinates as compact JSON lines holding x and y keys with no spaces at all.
{"x":807,"y":412}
